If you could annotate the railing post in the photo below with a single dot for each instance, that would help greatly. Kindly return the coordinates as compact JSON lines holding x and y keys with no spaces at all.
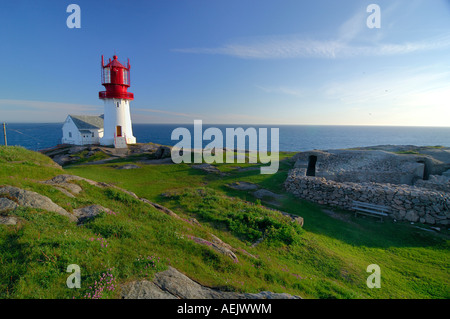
{"x":4,"y":133}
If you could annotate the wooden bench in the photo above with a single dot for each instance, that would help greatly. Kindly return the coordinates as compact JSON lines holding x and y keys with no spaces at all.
{"x":370,"y":209}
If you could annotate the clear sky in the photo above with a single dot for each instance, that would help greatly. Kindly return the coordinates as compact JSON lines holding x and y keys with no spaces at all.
{"x":231,"y":61}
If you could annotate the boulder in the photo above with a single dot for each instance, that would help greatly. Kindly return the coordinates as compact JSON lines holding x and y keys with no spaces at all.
{"x":412,"y":216}
{"x":89,"y":212}
{"x":261,"y":193}
{"x":8,"y":220}
{"x":218,"y":246}
{"x":63,"y":159}
{"x":161,"y":208}
{"x":66,"y":178}
{"x":299,"y":220}
{"x":63,"y":184}
{"x":172,"y":284}
{"x":243,"y":186}
{"x":162,"y":152}
{"x":32,"y":199}
{"x":208,"y":168}
{"x":128,"y":166}
{"x":144,"y":290}
{"x":7,"y":204}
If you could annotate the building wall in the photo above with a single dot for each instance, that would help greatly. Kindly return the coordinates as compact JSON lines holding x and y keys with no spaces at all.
{"x":71,"y":134}
{"x":117,"y":113}
{"x":91,"y":137}
{"x":409,"y":203}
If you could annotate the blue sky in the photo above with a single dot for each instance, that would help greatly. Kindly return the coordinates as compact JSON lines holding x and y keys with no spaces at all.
{"x":231,"y":61}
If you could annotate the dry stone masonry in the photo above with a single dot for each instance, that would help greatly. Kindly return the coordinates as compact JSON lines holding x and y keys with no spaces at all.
{"x":403,"y":183}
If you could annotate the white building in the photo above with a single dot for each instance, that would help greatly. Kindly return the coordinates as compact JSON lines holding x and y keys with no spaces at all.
{"x":82,"y":129}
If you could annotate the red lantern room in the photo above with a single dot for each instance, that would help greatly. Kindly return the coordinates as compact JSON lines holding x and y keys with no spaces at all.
{"x":116,"y":80}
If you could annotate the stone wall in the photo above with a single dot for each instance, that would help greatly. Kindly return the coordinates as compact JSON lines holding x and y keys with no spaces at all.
{"x":406,"y":202}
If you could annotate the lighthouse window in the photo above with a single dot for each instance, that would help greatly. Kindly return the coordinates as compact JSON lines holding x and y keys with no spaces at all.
{"x":125,"y":76}
{"x":117,"y":104}
{"x":106,"y":75}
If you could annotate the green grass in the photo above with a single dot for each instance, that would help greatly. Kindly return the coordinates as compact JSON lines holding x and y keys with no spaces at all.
{"x":18,"y":165}
{"x":83,"y":158}
{"x":326,"y":259}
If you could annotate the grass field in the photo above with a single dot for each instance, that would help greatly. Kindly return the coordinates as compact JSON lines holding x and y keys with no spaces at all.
{"x":327,"y":258}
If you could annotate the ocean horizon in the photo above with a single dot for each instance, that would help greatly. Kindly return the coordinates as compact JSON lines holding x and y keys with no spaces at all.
{"x":292,"y":138}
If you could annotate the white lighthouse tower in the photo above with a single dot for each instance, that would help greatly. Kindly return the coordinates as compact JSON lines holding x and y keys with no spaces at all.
{"x":117,"y":119}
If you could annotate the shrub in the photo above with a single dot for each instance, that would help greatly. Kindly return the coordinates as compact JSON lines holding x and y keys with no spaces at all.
{"x":246,"y":221}
{"x":120,"y":196}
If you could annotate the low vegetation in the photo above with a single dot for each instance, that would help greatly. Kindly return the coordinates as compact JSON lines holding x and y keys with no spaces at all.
{"x":327,"y":258}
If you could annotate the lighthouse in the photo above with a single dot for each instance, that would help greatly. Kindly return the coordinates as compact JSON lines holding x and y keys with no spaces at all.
{"x":117,"y":118}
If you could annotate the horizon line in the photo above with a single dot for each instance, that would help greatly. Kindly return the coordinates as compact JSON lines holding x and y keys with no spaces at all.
{"x":255,"y":124}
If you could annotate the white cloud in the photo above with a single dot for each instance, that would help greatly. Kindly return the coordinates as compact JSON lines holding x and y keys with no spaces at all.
{"x":282,"y":90}
{"x":296,"y":47}
{"x":274,"y":48}
{"x":352,"y":38}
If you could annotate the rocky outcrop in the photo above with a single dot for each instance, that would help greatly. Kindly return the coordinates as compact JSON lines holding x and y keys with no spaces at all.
{"x":409,"y":203}
{"x":172,"y":284}
{"x":62,"y":183}
{"x":31,"y":199}
{"x":243,"y":186}
{"x":264,"y":193}
{"x":218,"y":246}
{"x":208,"y":168}
{"x":7,"y":204}
{"x":13,"y":197}
{"x":128,"y":166}
{"x":89,"y":212}
{"x":65,"y":178}
{"x":8,"y":220}
{"x":163,"y":152}
{"x":161,"y":208}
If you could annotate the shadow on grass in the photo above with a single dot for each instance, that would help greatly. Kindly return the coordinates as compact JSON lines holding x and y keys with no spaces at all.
{"x":355,"y":231}
{"x":13,"y":259}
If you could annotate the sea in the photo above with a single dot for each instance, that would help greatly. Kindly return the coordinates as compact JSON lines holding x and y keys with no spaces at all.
{"x":292,"y":138}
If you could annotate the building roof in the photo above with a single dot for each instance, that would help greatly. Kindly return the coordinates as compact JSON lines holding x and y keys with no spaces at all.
{"x":86,"y":122}
{"x":115,"y":63}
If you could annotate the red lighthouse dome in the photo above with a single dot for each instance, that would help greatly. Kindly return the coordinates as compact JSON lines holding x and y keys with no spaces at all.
{"x":116,"y":80}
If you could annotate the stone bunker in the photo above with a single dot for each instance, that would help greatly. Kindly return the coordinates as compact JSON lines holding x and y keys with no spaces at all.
{"x":414,"y":182}
{"x":367,"y":166}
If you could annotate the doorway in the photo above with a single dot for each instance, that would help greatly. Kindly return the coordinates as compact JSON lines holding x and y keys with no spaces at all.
{"x":118,"y":130}
{"x":426,"y":170}
{"x":311,"y":171}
